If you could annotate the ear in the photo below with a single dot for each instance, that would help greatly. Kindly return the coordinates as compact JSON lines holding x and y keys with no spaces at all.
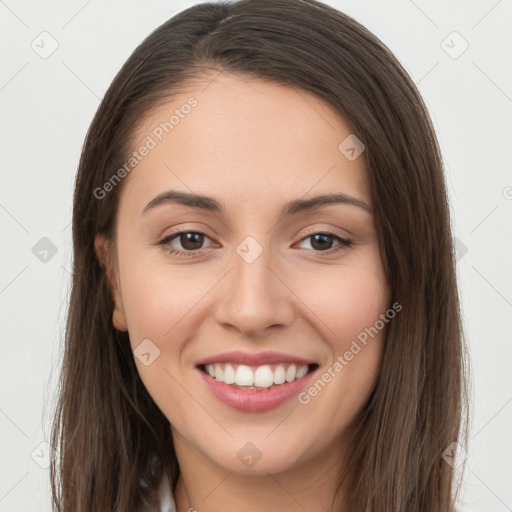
{"x":104,"y":254}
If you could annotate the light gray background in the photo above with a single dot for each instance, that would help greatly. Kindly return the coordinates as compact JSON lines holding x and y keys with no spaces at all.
{"x":48,"y":104}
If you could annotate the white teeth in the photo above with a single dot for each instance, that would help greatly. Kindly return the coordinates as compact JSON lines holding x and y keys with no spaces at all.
{"x":279,"y":375}
{"x":229,"y":374}
{"x":263,"y":377}
{"x":301,"y":371}
{"x":244,"y":376}
{"x":259,"y":377}
{"x":291,"y":373}
{"x":219,"y":372}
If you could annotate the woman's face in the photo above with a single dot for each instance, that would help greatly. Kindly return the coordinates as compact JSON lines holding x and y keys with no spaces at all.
{"x":263,"y":283}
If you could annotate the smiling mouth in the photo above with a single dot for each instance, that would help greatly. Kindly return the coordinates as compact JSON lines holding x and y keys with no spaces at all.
{"x":260,"y":377}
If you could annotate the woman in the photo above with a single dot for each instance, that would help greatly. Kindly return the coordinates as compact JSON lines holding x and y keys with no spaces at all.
{"x":264,"y":312}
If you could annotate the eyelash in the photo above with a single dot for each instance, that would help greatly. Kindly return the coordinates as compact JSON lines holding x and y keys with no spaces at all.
{"x":344,"y":242}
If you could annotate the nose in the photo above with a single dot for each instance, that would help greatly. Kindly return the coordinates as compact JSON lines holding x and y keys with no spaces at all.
{"x":254,"y":296}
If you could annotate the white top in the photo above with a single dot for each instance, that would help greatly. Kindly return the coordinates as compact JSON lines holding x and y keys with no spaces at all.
{"x":167,"y":503}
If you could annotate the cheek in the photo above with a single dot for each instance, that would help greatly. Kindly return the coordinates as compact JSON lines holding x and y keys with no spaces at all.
{"x":158,"y":301}
{"x":347,"y":301}
{"x":350,"y":305}
{"x":159,"y":305}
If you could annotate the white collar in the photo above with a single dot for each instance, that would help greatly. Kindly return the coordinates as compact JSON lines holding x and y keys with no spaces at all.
{"x":167,"y":503}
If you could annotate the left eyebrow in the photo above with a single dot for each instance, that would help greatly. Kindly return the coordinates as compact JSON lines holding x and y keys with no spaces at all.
{"x":212,"y":205}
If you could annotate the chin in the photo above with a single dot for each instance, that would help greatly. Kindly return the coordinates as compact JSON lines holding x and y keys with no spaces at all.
{"x":257,"y":457}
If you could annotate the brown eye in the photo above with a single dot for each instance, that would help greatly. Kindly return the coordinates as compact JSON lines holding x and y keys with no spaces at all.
{"x":322,"y":242}
{"x":190,"y":241}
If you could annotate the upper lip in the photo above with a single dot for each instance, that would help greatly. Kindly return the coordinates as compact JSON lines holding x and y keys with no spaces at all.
{"x":253,"y":359}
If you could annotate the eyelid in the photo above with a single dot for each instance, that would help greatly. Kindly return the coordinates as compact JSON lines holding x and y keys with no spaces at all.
{"x":184,"y":229}
{"x":329,"y":230}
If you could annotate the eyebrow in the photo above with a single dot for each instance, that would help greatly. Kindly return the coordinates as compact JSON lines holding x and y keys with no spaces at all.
{"x":293,"y":207}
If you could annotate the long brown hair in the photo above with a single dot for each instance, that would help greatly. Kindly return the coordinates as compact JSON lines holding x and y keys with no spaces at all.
{"x":113,"y":443}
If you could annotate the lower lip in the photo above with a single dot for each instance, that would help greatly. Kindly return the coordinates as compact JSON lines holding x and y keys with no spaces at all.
{"x":255,"y":400}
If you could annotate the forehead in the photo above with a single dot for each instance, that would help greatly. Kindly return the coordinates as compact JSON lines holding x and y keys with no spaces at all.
{"x":231,"y":134}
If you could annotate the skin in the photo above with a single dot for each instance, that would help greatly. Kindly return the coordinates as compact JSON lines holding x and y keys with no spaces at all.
{"x":253,"y":145}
